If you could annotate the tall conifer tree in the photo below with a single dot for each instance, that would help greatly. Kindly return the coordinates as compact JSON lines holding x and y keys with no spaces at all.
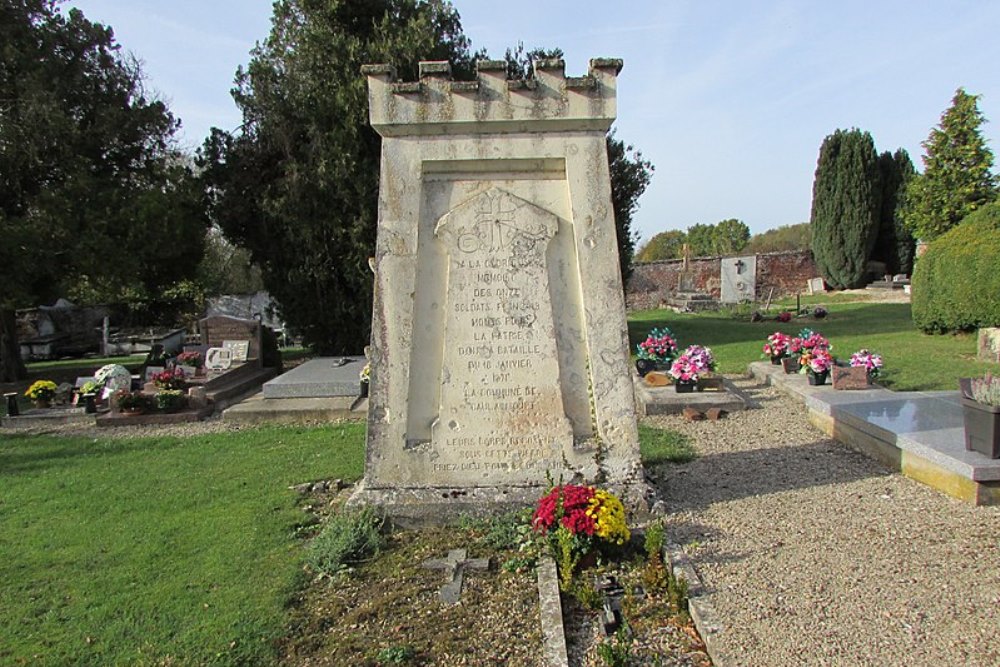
{"x":845,"y":207}
{"x":957,"y":176}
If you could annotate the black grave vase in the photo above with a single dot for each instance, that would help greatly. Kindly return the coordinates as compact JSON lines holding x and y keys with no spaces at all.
{"x":817,"y":379}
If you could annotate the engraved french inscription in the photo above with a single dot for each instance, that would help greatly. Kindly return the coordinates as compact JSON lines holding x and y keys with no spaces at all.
{"x":501,"y":416}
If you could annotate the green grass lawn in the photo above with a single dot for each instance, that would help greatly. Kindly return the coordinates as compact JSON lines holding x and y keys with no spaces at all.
{"x":913,"y":361}
{"x":86,"y":363}
{"x":160,"y":550}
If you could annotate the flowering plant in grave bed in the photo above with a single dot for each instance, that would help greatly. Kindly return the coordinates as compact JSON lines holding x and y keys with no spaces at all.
{"x":591,"y":514}
{"x":189,"y":359}
{"x":41,"y":390}
{"x":685,"y":369}
{"x":660,"y":345}
{"x":701,"y":357}
{"x":871,"y":361}
{"x":172,"y":378}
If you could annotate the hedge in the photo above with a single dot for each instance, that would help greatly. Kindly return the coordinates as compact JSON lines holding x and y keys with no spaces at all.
{"x":956,"y":283}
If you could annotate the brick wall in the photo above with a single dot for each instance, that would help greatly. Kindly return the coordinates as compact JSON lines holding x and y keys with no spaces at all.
{"x":653,"y":282}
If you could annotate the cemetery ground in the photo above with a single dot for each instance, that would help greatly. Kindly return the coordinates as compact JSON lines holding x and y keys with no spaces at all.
{"x":185,"y":544}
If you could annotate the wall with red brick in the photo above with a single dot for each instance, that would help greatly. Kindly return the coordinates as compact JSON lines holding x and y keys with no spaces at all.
{"x":652,"y":283}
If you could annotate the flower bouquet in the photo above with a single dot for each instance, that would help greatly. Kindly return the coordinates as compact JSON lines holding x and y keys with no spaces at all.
{"x":172,"y":378}
{"x":192,"y":359}
{"x":776,"y":346}
{"x":41,"y":392}
{"x":659,"y":349}
{"x":578,"y":520}
{"x":818,"y":366}
{"x":868,"y":360}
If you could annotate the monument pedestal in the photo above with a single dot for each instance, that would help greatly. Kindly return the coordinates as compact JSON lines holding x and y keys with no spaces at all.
{"x":499,"y":346}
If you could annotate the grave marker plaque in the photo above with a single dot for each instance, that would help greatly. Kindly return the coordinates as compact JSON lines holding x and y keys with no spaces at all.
{"x":217,"y":330}
{"x":499,"y":347}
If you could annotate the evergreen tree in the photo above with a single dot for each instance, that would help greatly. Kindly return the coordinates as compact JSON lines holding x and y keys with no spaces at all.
{"x":298,"y":185}
{"x":894,"y":245}
{"x":845,"y":207}
{"x":957,"y":178}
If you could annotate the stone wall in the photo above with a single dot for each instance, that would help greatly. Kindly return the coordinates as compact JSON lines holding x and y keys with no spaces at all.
{"x":653,"y":282}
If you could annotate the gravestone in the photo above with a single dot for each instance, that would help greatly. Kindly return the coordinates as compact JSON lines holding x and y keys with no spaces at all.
{"x":218,"y":330}
{"x":816,"y":286}
{"x":455,"y":566}
{"x":499,"y":346}
{"x":988,"y":345}
{"x":739,"y":279}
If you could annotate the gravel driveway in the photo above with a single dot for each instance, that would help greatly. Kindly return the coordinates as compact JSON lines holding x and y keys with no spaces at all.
{"x":813,"y":554}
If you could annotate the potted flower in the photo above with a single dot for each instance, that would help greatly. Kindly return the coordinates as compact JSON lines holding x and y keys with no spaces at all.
{"x":170,"y":400}
{"x":192,"y":360}
{"x":703,"y":359}
{"x":784,"y":316}
{"x":131,"y":402}
{"x":366,"y":377}
{"x":88,"y":392}
{"x":776,"y":347}
{"x":42,"y":392}
{"x":684,"y":370}
{"x":818,"y":366}
{"x":577,"y":521}
{"x":981,"y":409}
{"x":171,"y":378}
{"x":656,"y":352}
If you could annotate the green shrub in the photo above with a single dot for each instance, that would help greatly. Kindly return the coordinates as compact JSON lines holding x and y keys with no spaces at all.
{"x":956,"y":283}
{"x":347,"y":539}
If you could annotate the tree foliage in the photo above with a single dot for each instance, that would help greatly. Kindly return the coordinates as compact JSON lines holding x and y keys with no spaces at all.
{"x":845,"y":207}
{"x":781,"y":239}
{"x":665,"y":245}
{"x":956,"y":285}
{"x":894,"y":244}
{"x":94,"y":202}
{"x":297,"y":186}
{"x":957,"y":176}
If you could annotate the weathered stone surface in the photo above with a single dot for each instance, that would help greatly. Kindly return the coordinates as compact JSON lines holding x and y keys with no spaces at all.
{"x":319,"y":378}
{"x":499,"y":347}
{"x":221,"y":329}
{"x":850,"y":378}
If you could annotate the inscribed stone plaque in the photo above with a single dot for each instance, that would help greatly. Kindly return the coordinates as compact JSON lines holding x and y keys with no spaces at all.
{"x":501,"y":408}
{"x":239,"y":348}
{"x":215,"y":331}
{"x":218,"y":359}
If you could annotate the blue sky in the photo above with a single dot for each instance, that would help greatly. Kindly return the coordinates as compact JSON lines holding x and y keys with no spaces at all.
{"x":729,"y":100}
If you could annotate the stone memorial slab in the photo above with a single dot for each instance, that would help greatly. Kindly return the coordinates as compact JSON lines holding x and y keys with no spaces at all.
{"x":739,"y":279}
{"x":816,"y":286}
{"x":499,"y":346}
{"x":455,"y":566}
{"x":215,"y":331}
{"x":319,"y":378}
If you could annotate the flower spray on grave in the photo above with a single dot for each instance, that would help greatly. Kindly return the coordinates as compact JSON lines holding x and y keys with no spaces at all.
{"x":171,"y":378}
{"x":41,"y":392}
{"x":577,"y":522}
{"x":776,"y":347}
{"x":868,"y":360}
{"x":657,"y":351}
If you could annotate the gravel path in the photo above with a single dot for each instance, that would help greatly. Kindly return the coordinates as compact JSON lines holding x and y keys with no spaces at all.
{"x":814,"y":554}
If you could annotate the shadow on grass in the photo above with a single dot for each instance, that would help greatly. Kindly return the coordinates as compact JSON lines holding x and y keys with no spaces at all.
{"x":727,"y":476}
{"x":22,"y":453}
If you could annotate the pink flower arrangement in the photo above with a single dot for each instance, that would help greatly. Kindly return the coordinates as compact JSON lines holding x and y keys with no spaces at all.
{"x":820,"y":361}
{"x":701,"y":357}
{"x":189,"y":359}
{"x":869,"y":360}
{"x":685,"y":369}
{"x":658,"y":346}
{"x":172,"y":378}
{"x":777,"y":344}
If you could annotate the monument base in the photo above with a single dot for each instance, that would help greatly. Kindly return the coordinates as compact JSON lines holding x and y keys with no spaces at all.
{"x":416,"y":507}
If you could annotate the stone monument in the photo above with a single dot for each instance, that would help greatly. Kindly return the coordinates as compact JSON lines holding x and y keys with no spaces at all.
{"x":499,"y":346}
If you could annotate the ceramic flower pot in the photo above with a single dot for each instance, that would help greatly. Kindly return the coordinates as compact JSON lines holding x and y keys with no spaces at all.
{"x":817,"y":379}
{"x":776,"y":359}
{"x":364,"y":389}
{"x":42,"y":403}
{"x":685,"y":387}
